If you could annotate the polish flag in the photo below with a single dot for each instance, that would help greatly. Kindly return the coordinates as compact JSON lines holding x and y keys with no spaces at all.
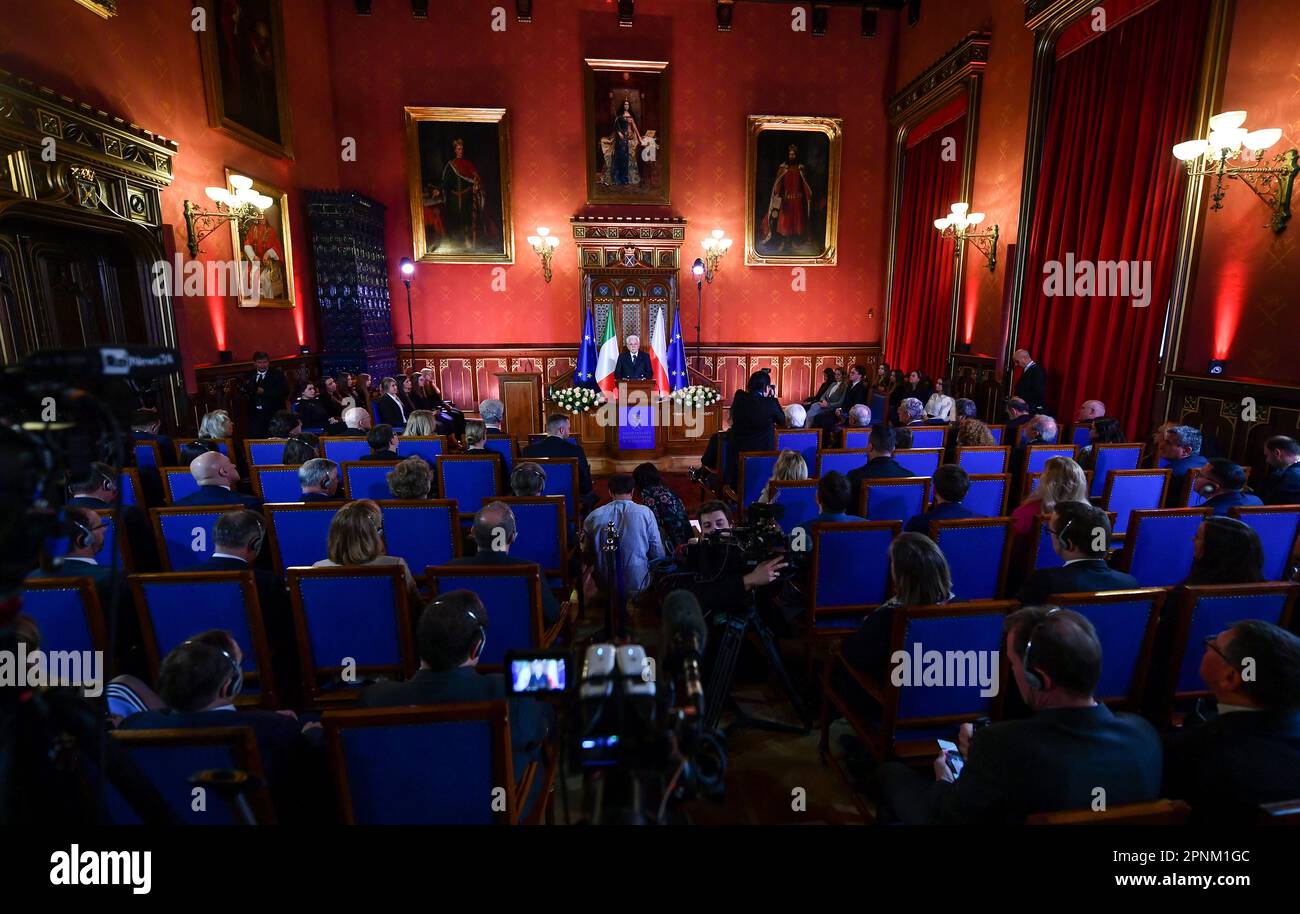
{"x":607,"y":359}
{"x":659,"y":355}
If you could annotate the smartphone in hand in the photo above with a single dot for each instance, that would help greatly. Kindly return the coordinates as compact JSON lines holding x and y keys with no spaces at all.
{"x":951,"y":753}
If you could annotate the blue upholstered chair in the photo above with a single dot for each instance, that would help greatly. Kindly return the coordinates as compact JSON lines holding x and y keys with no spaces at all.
{"x":928,"y":436}
{"x":343,"y":449}
{"x":1277,"y":529}
{"x":894,"y":499}
{"x":849,"y":573}
{"x":542,"y":525}
{"x":184,"y":535}
{"x":299,"y":533}
{"x":278,"y":484}
{"x":1127,"y":491}
{"x":920,"y":461}
{"x":1125,"y":621}
{"x":798,"y":498}
{"x":264,"y":452}
{"x":561,"y":479}
{"x":1041,"y":553}
{"x":807,"y":441}
{"x":174,"y":607}
{"x":177,"y":482}
{"x":129,"y":486}
{"x":224,"y":445}
{"x":367,"y":479}
{"x":423,"y":532}
{"x":1111,"y":457}
{"x":148,"y":454}
{"x":977,"y":550}
{"x":755,"y":470}
{"x":350,"y":619}
{"x":512,"y":595}
{"x":505,"y":446}
{"x":1037,"y":455}
{"x":468,"y":479}
{"x":1081,"y":435}
{"x":68,"y":613}
{"x":988,"y":494}
{"x":838,"y":461}
{"x":855,"y":438}
{"x":879,"y":406}
{"x":984,"y":459}
{"x":432,"y":765}
{"x":998,"y":432}
{"x":114,"y":544}
{"x":429,"y":447}
{"x":1158,"y":547}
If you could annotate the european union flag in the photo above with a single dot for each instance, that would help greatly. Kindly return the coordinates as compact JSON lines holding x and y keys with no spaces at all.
{"x":677,"y":374}
{"x":585,"y":374}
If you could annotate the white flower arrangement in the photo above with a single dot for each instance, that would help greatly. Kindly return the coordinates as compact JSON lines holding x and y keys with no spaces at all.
{"x":696,"y":395}
{"x":577,"y":399}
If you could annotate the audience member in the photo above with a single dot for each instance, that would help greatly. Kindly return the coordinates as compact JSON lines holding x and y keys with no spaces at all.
{"x":951,"y":483}
{"x":217,"y":477}
{"x":1062,"y":480}
{"x":1222,"y":484}
{"x":332,"y":399}
{"x":97,"y":489}
{"x":880,"y":463}
{"x":420,"y":423}
{"x":493,"y":413}
{"x":528,"y":479}
{"x":755,"y":414}
{"x":146,"y":426}
{"x":1181,"y":453}
{"x":319,"y":479}
{"x":669,"y":511}
{"x":902,"y":438}
{"x":1226,"y":551}
{"x":1081,"y":537}
{"x":411,"y":478}
{"x":284,"y":423}
{"x":940,"y":405}
{"x":300,"y":448}
{"x":1018,"y":415}
{"x":267,"y":390}
{"x":557,"y":444}
{"x":356,"y":537}
{"x":1282,"y":484}
{"x":911,"y":411}
{"x":383,"y":443}
{"x":85,"y":530}
{"x":638,"y":545}
{"x":356,"y":422}
{"x":1104,"y":430}
{"x":833,"y":504}
{"x":855,"y":393}
{"x":310,"y":407}
{"x":828,"y":397}
{"x":789,"y":467}
{"x":859,"y":416}
{"x":214,"y":424}
{"x":475,"y":435}
{"x":974,"y":433}
{"x":795,"y":416}
{"x":917,"y":387}
{"x":392,"y":411}
{"x":494,"y":532}
{"x":1090,"y":411}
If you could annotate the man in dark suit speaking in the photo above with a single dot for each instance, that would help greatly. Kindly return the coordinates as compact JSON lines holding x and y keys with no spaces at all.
{"x":633,"y":364}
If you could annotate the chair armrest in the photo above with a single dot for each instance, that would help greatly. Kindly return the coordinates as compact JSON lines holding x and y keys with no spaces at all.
{"x":568,"y":615}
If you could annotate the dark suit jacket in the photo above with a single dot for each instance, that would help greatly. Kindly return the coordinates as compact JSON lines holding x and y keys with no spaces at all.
{"x":276,"y":391}
{"x":1049,"y":762}
{"x":1032,"y":387}
{"x":218,"y":495}
{"x":139,"y":532}
{"x":390,"y":412}
{"x":1226,"y":501}
{"x":754,"y":419}
{"x":550,"y":606}
{"x":1280,"y":487}
{"x":943,"y":511}
{"x":551,"y":446}
{"x":1086,"y":576}
{"x":855,"y":394}
{"x":314,"y":413}
{"x":349,"y":432}
{"x":312,"y":497}
{"x":384,"y":455}
{"x":530,"y":720}
{"x":1226,"y":767}
{"x":165,"y":445}
{"x":877,"y":468}
{"x":630,"y":369}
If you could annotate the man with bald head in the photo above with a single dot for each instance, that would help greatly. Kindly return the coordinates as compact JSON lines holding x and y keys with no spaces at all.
{"x":633,"y":364}
{"x":494,"y":532}
{"x":357,"y":422}
{"x":1090,"y":411}
{"x":217,"y":477}
{"x":1032,"y":384}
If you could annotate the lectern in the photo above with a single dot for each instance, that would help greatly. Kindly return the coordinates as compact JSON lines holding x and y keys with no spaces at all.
{"x":640,"y":432}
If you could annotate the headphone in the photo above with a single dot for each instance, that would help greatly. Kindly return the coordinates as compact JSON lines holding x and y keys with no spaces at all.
{"x":1060,"y":535}
{"x":477,"y":650}
{"x":84,"y":535}
{"x":305,"y":443}
{"x":255,"y":544}
{"x":1033,"y":678}
{"x":535,"y":474}
{"x":237,"y":671}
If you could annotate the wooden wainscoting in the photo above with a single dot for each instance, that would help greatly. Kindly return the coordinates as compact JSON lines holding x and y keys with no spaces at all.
{"x":219,"y":387}
{"x":1235,"y":415}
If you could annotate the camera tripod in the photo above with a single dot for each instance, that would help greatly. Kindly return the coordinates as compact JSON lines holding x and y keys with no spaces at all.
{"x":739,"y":624}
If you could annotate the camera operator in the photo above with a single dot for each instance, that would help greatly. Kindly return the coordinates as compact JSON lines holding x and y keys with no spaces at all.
{"x":755,"y":414}
{"x":722,"y":579}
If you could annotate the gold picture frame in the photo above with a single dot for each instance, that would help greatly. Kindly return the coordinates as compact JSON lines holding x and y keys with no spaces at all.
{"x":247,"y":108}
{"x":814,"y":231}
{"x":643,"y":176}
{"x":106,"y":9}
{"x":459,"y":213}
{"x":271,"y":241}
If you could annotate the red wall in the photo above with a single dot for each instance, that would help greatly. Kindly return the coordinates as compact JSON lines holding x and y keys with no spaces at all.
{"x":388,"y":60}
{"x":143,"y":65}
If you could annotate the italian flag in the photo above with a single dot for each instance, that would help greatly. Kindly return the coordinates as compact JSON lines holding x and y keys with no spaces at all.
{"x":606,"y":359}
{"x":659,"y":355}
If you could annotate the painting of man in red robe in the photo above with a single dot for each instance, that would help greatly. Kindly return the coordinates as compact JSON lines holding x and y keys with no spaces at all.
{"x":790,"y":209}
{"x":789,"y":177}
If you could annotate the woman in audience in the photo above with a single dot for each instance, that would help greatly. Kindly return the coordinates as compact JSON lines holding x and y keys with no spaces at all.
{"x":213,"y":425}
{"x":344,"y":391}
{"x":917,"y":387}
{"x":940,"y":405}
{"x":361,"y":390}
{"x":1062,"y":480}
{"x":475,"y":435}
{"x":329,"y":399}
{"x":1105,"y":430}
{"x":406,"y":387}
{"x":789,"y":467}
{"x":974,"y":433}
{"x":300,"y":448}
{"x":356,"y":537}
{"x":419,"y":424}
{"x":421,"y":393}
{"x":412,"y":478}
{"x":884,"y":381}
{"x":1226,"y":551}
{"x":897,"y":391}
{"x":309,"y":407}
{"x":674,"y":527}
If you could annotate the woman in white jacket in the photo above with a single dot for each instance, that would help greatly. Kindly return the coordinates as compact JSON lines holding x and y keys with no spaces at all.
{"x":940,"y":405}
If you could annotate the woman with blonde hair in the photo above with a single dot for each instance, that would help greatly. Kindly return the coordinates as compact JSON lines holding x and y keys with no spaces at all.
{"x":419,"y":424}
{"x":356,"y":537}
{"x":1062,"y":480}
{"x":790,"y":467}
{"x":974,"y":433}
{"x":216,"y":424}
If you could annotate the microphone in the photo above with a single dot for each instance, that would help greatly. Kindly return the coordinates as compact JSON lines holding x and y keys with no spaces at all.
{"x":684,"y":620}
{"x":685,"y":634}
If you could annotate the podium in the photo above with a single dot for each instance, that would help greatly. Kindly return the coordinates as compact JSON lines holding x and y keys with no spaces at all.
{"x":640,"y":432}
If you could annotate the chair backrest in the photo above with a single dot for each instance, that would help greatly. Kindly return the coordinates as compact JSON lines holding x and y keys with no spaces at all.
{"x":224,"y":445}
{"x":1277,"y":526}
{"x":1037,"y":455}
{"x":129,"y":486}
{"x":755,"y":470}
{"x":430,"y":447}
{"x":68,"y":614}
{"x":984,"y":458}
{"x":262,"y":452}
{"x":1109,"y":458}
{"x":423,"y":531}
{"x":1126,"y":622}
{"x":534,"y":437}
{"x":344,"y":448}
{"x":894,"y":499}
{"x":1156,"y":812}
{"x":350,"y":618}
{"x":115,"y":539}
{"x":176,"y":606}
{"x":506,"y":447}
{"x":1206,"y":610}
{"x":807,"y":441}
{"x":1033,"y":479}
{"x":147,"y":454}
{"x":839,"y":461}
{"x":927,"y":436}
{"x":512,"y":595}
{"x":561,"y":479}
{"x":1127,"y":491}
{"x":185,"y":535}
{"x":850,"y":569}
{"x":920,"y":461}
{"x":799,"y":499}
{"x":299,"y":533}
{"x":436,"y":764}
{"x":998,"y":432}
{"x":1080,"y":435}
{"x":168,"y":758}
{"x":1041,"y":553}
{"x":468,"y":479}
{"x":988,"y":494}
{"x":977,"y":550}
{"x":178,"y":482}
{"x":542,"y":525}
{"x":367,"y":479}
{"x":879,"y":406}
{"x":855,"y":438}
{"x":1158,"y":547}
{"x":278,"y":483}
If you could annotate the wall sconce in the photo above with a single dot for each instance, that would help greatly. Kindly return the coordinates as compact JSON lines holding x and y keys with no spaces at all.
{"x":1229,"y":141}
{"x":242,"y":206}
{"x":544,"y":244}
{"x":958,"y":224}
{"x":715,"y":246}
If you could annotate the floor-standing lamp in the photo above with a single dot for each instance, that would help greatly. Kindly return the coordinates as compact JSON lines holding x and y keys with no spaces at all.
{"x":698,"y":269}
{"x":408,"y":270}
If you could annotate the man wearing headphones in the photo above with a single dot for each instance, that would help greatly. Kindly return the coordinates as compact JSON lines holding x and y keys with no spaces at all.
{"x":494,"y":532}
{"x":1081,"y":537}
{"x":1072,"y":753}
{"x":97,"y":489}
{"x":1222,"y":483}
{"x":319,"y":479}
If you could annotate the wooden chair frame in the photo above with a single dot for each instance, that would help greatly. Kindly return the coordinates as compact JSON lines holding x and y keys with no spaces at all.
{"x":937,"y":527}
{"x":157,"y":514}
{"x":1111,"y":479}
{"x":864,"y":497}
{"x":985,"y":449}
{"x":1133,"y":700}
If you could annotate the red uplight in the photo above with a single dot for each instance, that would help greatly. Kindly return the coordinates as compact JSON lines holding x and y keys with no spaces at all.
{"x":1228,"y":304}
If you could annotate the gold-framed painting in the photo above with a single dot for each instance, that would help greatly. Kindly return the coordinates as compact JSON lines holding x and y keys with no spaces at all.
{"x":792,"y":172}
{"x":627,"y":138}
{"x":458,"y":173}
{"x":263,"y":253}
{"x":241,"y":46}
{"x":104,"y":8}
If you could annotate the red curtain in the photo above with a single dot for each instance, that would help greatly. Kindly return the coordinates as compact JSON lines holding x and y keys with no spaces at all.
{"x":920,"y":316}
{"x":1109,"y":189}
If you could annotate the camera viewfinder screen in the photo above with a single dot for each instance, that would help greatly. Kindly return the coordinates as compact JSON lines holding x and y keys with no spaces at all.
{"x":538,"y":675}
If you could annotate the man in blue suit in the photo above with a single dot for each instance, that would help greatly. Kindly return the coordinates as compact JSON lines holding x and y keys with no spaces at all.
{"x":880,"y":464}
{"x":1282,"y":484}
{"x":1181,"y":453}
{"x":951,"y":483}
{"x":217,"y":478}
{"x":633,"y":364}
{"x":833,"y":493}
{"x":1222,"y":483}
{"x":557,"y":444}
{"x":1080,"y":535}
